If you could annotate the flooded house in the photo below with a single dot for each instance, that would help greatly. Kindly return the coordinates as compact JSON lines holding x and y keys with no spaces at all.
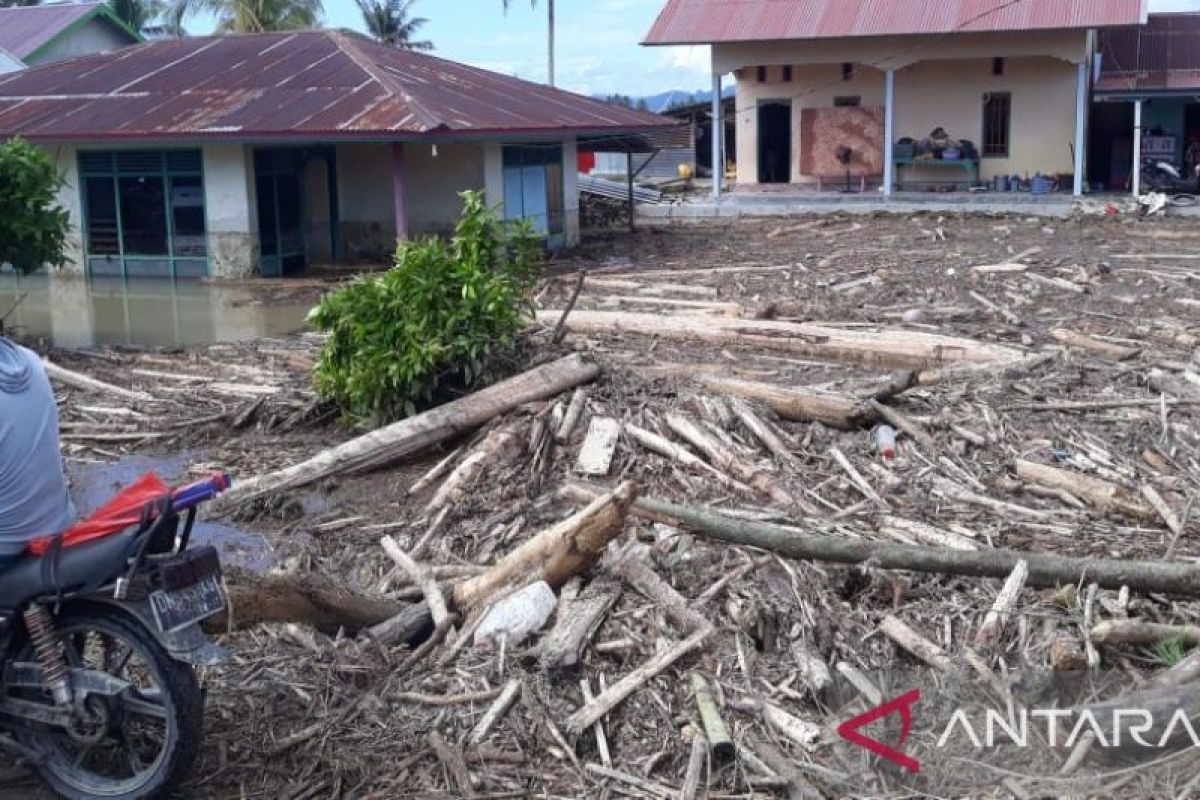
{"x":903,"y":93}
{"x":231,"y":156}
{"x":33,"y":35}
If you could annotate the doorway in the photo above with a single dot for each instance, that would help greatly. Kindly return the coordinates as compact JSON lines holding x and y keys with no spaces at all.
{"x":774,"y":141}
{"x":279,"y":187}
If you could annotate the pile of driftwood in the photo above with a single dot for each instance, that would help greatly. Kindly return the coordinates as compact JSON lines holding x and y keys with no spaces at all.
{"x":738,"y":565}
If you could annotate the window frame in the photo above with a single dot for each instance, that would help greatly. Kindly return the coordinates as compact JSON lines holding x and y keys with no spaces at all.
{"x":89,"y":166}
{"x":988,"y":146}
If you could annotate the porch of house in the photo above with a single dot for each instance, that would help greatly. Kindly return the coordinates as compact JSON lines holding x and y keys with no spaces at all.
{"x":234,"y":210}
{"x":811,"y":123}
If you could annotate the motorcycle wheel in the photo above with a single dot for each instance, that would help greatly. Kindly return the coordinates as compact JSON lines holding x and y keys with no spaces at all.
{"x":136,"y":746}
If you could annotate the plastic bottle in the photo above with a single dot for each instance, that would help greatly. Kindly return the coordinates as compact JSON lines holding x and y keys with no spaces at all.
{"x":885,"y":441}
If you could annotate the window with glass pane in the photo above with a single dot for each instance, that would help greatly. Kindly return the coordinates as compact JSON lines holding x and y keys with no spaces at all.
{"x":100,"y":205}
{"x":187,"y":217}
{"x":997,"y":120}
{"x":143,"y":216}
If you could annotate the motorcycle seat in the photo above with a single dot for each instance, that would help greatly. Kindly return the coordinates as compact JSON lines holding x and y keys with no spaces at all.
{"x":97,"y":561}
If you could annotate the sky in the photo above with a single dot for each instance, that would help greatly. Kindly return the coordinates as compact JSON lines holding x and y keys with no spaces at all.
{"x":598,"y":41}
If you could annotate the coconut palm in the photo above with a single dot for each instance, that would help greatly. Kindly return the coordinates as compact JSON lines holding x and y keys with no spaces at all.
{"x":137,"y":14}
{"x":550,"y":15}
{"x":250,"y":16}
{"x":391,"y":22}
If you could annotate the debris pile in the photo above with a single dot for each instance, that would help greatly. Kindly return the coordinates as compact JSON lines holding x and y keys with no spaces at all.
{"x":774,"y":474}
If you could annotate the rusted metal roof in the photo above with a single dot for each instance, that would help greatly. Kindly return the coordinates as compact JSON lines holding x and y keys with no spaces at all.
{"x":713,"y":21}
{"x":305,"y":85}
{"x":26,"y":29}
{"x":1162,"y":56}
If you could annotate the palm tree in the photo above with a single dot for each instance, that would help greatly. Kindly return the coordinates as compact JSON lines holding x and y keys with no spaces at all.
{"x":390,"y":22}
{"x":137,"y":14}
{"x":550,"y":14}
{"x":250,"y":16}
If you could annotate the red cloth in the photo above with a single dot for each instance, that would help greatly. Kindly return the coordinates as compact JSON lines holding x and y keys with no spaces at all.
{"x":121,"y":512}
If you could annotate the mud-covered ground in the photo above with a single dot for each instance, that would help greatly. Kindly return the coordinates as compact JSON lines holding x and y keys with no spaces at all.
{"x":299,"y":714}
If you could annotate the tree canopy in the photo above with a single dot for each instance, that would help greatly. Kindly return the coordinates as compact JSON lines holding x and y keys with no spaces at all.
{"x":392,"y":22}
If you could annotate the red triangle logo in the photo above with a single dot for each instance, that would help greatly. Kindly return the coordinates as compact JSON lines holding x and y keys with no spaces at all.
{"x":902,"y":705}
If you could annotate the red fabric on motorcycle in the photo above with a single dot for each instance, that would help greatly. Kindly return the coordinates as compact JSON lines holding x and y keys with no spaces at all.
{"x":121,"y":512}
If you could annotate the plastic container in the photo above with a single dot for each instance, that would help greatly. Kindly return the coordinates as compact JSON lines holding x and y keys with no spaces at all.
{"x":885,"y":441}
{"x":517,"y":616}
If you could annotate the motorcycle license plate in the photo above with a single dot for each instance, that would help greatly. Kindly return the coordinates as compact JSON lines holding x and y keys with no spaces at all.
{"x":182,"y":607}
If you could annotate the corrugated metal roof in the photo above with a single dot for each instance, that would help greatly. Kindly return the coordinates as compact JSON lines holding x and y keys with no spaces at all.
{"x":313,"y":84}
{"x":712,"y":21}
{"x":23,"y":30}
{"x":1162,"y":56}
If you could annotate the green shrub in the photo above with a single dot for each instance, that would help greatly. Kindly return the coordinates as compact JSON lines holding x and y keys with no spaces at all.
{"x":33,"y":229}
{"x":401,"y":340}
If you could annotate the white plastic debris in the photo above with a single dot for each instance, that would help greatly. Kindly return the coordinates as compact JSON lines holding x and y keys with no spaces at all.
{"x":885,"y":441}
{"x":517,"y":616}
{"x":913,"y":315}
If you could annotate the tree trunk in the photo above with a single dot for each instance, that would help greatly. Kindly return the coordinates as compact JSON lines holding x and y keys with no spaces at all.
{"x":896,"y":348}
{"x":1045,"y":570}
{"x":1098,"y":493}
{"x":308,"y":599}
{"x":555,"y":555}
{"x":414,"y":434}
{"x":797,"y":405}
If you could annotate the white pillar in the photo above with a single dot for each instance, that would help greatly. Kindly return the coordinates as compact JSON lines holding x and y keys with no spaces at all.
{"x":889,"y":131}
{"x":1137,"y":148}
{"x":718,"y":134}
{"x":1081,"y":99}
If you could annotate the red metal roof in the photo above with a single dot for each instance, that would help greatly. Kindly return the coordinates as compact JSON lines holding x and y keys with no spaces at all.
{"x":712,"y":21}
{"x":25,"y":29}
{"x":1162,"y":56}
{"x":311,"y":85}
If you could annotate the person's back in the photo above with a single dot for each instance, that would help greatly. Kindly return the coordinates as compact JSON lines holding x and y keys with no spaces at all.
{"x":33,"y":490}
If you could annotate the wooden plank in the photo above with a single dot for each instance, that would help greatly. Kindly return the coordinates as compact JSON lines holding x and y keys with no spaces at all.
{"x":596,"y":455}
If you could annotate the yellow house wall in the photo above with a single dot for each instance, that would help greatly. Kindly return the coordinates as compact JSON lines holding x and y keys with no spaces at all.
{"x":939,"y":81}
{"x":946,"y":93}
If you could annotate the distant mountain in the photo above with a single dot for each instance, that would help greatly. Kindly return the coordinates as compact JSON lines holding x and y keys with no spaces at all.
{"x":665,"y":100}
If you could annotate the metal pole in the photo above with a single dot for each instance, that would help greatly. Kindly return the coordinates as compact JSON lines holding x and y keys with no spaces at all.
{"x":1081,"y":97}
{"x":550,"y":6}
{"x":1137,"y":148}
{"x":889,"y":131}
{"x":629,"y":173}
{"x":718,"y":134}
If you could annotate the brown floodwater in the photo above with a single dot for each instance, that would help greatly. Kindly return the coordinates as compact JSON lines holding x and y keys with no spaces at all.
{"x":153,"y":312}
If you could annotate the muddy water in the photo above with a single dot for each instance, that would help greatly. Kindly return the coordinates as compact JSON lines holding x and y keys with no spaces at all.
{"x":92,"y":484}
{"x":76,"y":312}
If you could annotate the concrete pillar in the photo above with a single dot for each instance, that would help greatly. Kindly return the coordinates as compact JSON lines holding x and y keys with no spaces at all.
{"x":718,"y":137}
{"x":493,"y":174}
{"x":1137,"y":148}
{"x":70,"y":311}
{"x":400,"y":191}
{"x":570,"y":191}
{"x":889,"y":131}
{"x":230,"y":211}
{"x":1081,"y":100}
{"x":70,"y":198}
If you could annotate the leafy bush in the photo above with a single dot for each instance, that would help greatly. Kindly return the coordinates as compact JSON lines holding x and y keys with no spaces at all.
{"x":400,"y":340}
{"x":33,"y":229}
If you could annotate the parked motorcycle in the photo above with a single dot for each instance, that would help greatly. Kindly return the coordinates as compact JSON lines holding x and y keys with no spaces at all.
{"x":100,"y":639}
{"x":1165,"y":177}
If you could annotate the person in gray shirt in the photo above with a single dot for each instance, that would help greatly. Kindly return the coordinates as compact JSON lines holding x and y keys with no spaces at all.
{"x":33,"y":489}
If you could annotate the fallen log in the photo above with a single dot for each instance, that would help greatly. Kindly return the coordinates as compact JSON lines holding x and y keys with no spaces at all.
{"x":898,"y":348}
{"x":414,"y":434}
{"x":555,"y":555}
{"x":80,"y":381}
{"x":1046,"y":570}
{"x":576,"y":623}
{"x":728,"y":461}
{"x":1098,"y":493}
{"x":309,"y":599}
{"x":1134,"y":631}
{"x":796,"y":405}
{"x":1079,"y":341}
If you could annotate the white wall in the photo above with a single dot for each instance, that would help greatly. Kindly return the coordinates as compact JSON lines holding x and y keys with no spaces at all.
{"x":96,"y":36}
{"x":434,"y":183}
{"x":365,"y":204}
